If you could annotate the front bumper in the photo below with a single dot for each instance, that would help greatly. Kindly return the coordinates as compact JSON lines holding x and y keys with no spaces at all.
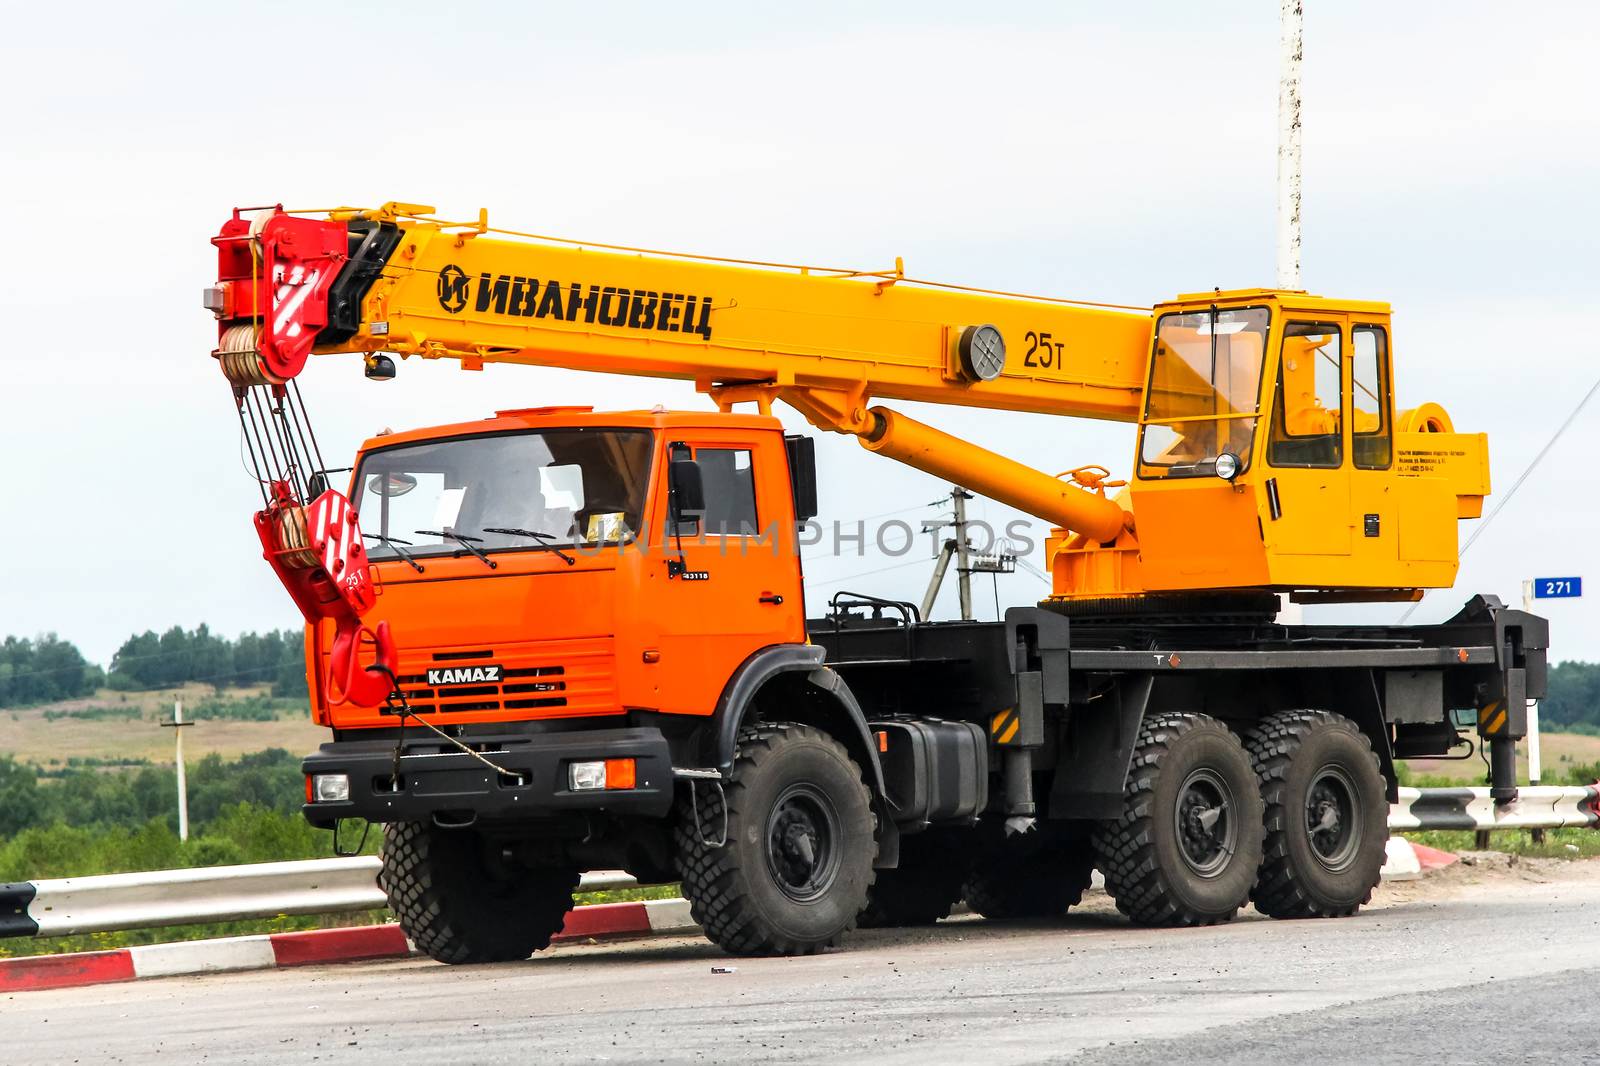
{"x":456,"y":787}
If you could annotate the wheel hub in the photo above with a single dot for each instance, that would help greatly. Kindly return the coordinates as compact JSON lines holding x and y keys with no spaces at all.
{"x":801,"y":854}
{"x":1333,"y":817}
{"x":1206,"y":830}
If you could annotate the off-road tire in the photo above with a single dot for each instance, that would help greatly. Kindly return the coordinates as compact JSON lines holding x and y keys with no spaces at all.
{"x":1037,"y":884}
{"x":912,"y":894}
{"x":1292,"y":751}
{"x":456,"y":908}
{"x":723,"y":838}
{"x":1143,"y":853}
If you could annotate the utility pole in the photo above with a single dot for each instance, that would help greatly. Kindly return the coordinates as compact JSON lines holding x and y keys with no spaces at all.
{"x":177,"y":725}
{"x":963,"y":554}
{"x":958,"y":548}
{"x":1535,"y":770}
{"x":1290,"y":36}
{"x":1290,"y":39}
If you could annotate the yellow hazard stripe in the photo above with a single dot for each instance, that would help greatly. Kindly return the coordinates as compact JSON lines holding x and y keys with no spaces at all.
{"x":1496,"y":723}
{"x":1011,"y":731}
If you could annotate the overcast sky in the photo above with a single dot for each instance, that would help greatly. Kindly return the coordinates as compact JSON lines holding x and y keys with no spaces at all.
{"x":1113,"y":152}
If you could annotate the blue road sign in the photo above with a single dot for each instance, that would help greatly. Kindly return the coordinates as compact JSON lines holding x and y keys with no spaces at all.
{"x":1557,"y":588}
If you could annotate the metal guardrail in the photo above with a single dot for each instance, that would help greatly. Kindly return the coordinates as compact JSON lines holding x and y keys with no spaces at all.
{"x":105,"y":902}
{"x":332,"y":886}
{"x":1536,"y":807}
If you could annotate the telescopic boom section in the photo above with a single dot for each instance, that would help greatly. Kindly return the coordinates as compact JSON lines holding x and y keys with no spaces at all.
{"x":822,"y":340}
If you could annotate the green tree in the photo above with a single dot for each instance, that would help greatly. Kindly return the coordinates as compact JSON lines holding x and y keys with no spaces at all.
{"x":19,"y":797}
{"x":1573,"y":696}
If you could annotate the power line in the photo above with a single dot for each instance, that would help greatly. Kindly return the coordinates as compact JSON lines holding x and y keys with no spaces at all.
{"x":1515,"y":485}
{"x":866,"y":573}
{"x":1034,"y":570}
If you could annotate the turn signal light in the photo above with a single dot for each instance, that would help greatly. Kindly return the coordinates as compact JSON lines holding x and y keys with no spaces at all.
{"x":620,"y":773}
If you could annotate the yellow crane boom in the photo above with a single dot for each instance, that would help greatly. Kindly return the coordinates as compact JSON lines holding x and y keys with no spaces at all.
{"x":1201,"y":374}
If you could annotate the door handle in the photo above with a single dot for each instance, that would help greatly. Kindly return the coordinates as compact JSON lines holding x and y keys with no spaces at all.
{"x":772,"y":599}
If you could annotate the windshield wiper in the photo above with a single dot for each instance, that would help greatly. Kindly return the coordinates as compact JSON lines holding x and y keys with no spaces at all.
{"x":512,"y":531}
{"x":463,"y":540}
{"x":394,"y":544}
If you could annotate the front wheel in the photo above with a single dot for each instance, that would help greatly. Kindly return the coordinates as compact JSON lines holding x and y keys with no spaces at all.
{"x":779,"y":860}
{"x":1327,"y":815}
{"x":1186,"y":847}
{"x":458,"y":906}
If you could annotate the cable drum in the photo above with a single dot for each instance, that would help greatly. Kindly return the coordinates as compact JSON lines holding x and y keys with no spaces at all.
{"x":240,"y":357}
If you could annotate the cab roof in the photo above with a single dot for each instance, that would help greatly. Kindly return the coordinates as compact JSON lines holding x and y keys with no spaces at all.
{"x":530,"y":418}
{"x":1288,"y":299}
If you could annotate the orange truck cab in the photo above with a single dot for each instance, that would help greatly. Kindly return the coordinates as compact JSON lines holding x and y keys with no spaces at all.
{"x":577,"y":591}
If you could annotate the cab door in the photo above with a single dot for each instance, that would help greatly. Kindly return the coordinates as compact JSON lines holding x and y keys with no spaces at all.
{"x":1372,"y":496}
{"x":1308,"y":499}
{"x":729,"y":580}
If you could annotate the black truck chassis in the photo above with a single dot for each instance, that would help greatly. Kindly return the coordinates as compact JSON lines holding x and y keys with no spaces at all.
{"x":1061,"y":699}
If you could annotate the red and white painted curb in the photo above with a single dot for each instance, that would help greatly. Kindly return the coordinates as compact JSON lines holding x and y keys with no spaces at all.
{"x":1406,"y":861}
{"x":358,"y":943}
{"x":310,"y":948}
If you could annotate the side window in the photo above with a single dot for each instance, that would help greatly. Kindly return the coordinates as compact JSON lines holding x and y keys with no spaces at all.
{"x":1371,"y":436}
{"x":728,"y":475}
{"x":1306,"y":414}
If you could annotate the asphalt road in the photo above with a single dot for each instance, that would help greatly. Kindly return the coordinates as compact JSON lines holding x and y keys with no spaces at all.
{"x":1463,"y":967}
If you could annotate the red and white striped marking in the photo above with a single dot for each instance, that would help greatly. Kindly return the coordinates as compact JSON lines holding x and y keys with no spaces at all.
{"x":316,"y":947}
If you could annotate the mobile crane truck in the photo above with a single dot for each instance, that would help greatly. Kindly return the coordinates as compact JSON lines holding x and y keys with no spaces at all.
{"x":559,"y":640}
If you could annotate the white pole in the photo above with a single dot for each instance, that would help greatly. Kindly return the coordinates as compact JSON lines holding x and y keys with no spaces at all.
{"x":183,"y":784}
{"x":1534,"y":764}
{"x":1289,"y":39}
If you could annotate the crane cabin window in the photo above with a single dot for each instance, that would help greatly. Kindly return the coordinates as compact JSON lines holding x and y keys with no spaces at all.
{"x":1307,"y":413}
{"x":1204,"y":392}
{"x":1371,"y":439}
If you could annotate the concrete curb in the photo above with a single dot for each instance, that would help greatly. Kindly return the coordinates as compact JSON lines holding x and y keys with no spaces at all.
{"x":312,"y":948}
{"x":1400,"y":861}
{"x":1433,"y":858}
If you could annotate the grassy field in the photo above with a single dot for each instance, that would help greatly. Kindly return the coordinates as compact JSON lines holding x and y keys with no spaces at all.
{"x":114,"y":726}
{"x":1559,"y":753}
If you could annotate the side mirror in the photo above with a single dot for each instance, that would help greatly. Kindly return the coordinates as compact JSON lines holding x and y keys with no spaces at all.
{"x":688,"y":497}
{"x":802,"y":475}
{"x":316,"y":486}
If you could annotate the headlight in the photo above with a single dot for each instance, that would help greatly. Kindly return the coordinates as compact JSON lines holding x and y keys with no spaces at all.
{"x":330,"y":788}
{"x":1227,"y":466}
{"x":586,"y":776}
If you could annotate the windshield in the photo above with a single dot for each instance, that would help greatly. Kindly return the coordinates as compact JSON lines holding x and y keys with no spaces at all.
{"x":555,"y":487}
{"x":1205,"y":378}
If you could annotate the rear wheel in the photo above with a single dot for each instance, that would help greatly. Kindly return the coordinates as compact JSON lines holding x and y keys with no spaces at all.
{"x":1186,"y":847}
{"x":1326,"y":815}
{"x":460,"y":907}
{"x":1042,"y":883}
{"x":779,"y":860}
